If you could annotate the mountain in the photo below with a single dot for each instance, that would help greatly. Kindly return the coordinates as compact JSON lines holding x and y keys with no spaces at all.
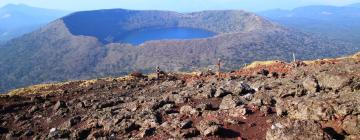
{"x":357,"y":5}
{"x":335,"y":22}
{"x":16,"y":20}
{"x":74,"y":47}
{"x":309,"y":100}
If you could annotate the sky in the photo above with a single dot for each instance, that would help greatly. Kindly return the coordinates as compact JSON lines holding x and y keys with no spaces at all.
{"x":176,"y":5}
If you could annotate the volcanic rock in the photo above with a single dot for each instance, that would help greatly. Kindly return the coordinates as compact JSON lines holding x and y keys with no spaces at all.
{"x":295,"y":129}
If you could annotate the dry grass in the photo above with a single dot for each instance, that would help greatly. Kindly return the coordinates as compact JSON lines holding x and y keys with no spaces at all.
{"x":263,"y":63}
{"x":55,"y":88}
{"x":310,"y":62}
{"x":38,"y":89}
{"x":3,"y":95}
{"x":87,"y":83}
{"x":125,"y":78}
{"x":356,"y":56}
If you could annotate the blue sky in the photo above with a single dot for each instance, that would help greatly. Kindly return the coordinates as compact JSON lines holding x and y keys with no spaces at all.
{"x":176,"y":5}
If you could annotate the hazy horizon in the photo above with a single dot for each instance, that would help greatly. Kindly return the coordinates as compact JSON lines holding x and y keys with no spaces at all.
{"x":176,"y":5}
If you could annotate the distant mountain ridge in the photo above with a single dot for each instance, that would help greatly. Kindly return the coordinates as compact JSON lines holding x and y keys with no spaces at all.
{"x":335,"y":22}
{"x":68,"y":48}
{"x":357,"y":5}
{"x":16,"y":20}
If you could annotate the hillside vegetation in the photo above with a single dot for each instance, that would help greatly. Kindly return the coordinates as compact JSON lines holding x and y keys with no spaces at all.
{"x":73,"y":47}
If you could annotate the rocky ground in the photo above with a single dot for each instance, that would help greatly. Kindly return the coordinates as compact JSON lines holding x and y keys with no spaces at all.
{"x":273,"y":101}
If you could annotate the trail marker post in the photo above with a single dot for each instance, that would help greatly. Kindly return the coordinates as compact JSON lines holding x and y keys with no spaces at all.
{"x":219,"y":67}
{"x":158,"y":72}
{"x":294,"y":57}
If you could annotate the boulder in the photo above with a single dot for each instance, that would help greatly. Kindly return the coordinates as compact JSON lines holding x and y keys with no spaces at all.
{"x":155,"y":104}
{"x":81,"y":134}
{"x":205,"y":106}
{"x":186,"y":124}
{"x":188,"y":110}
{"x":208,"y":128}
{"x":28,"y":133}
{"x":37,"y":99}
{"x":58,"y":134}
{"x":107,"y":103}
{"x":332,"y":81}
{"x":311,"y":85}
{"x":263,"y":98}
{"x":243,"y":89}
{"x":229,"y":102}
{"x":146,"y":132}
{"x":207,"y":91}
{"x":347,"y":107}
{"x":351,"y":125}
{"x":34,"y":109}
{"x":128,"y":126}
{"x":248,"y":97}
{"x":296,"y":130}
{"x":220,"y":92}
{"x":46,"y":104}
{"x":80,"y":105}
{"x":168,"y":108}
{"x":263,"y":72}
{"x":176,"y":98}
{"x":19,"y":118}
{"x":188,"y":133}
{"x":355,"y":84}
{"x":306,"y":109}
{"x":266,"y":110}
{"x":147,"y":118}
{"x":238,"y":112}
{"x":74,"y":121}
{"x":59,"y":105}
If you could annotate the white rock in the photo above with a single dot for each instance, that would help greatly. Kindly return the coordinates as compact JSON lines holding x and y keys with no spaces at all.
{"x":52,"y":130}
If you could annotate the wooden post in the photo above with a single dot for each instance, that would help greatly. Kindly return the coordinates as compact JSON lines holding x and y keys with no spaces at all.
{"x":158,"y":72}
{"x":294,"y":57}
{"x":219,"y":67}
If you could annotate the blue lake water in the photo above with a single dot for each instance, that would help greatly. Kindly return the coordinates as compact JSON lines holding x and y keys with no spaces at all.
{"x":140,"y":36}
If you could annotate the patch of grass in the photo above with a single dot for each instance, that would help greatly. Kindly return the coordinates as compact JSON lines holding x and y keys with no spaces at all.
{"x":263,"y":63}
{"x":3,"y":95}
{"x":356,"y":56}
{"x":38,"y":89}
{"x":87,"y":83}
